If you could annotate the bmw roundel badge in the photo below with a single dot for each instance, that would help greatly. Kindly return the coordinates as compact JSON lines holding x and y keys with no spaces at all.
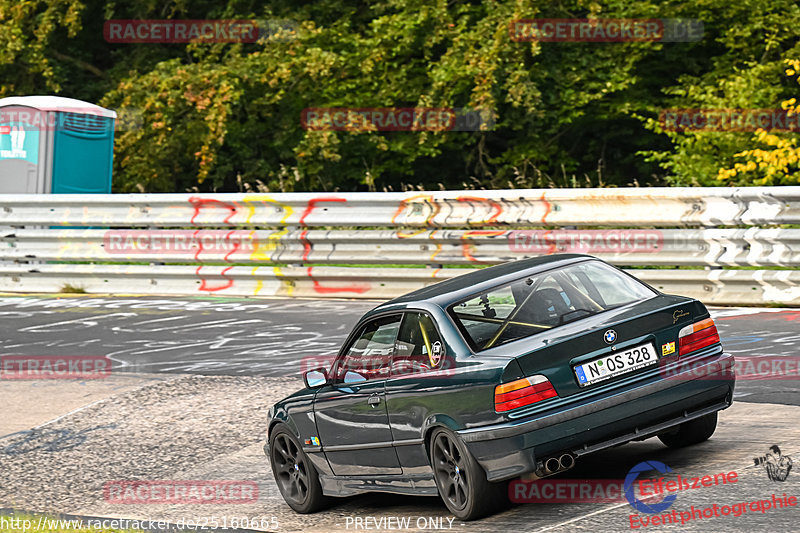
{"x":610,"y":336}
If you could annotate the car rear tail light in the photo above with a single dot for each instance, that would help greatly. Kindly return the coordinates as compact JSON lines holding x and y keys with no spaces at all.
{"x":697,"y":335}
{"x":522,"y":392}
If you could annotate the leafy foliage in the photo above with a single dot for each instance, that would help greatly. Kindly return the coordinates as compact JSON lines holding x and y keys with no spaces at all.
{"x":778,"y":165}
{"x":226,"y":117}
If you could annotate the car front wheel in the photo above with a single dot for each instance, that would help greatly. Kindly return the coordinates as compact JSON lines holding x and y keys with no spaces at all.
{"x":296,"y":477}
{"x":691,"y":432}
{"x":460,"y":479}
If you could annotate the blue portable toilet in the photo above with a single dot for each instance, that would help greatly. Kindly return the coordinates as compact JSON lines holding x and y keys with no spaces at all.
{"x":50,"y":144}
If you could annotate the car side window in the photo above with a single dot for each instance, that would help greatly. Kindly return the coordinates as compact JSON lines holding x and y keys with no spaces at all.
{"x":370,"y":355}
{"x":419,"y":347}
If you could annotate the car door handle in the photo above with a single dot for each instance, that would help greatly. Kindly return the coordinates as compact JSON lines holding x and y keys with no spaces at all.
{"x":374,"y":400}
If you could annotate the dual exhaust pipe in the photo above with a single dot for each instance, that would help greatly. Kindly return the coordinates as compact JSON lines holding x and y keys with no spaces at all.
{"x":553,"y":465}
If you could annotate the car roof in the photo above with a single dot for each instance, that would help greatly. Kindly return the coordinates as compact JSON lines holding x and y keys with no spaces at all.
{"x":455,"y":289}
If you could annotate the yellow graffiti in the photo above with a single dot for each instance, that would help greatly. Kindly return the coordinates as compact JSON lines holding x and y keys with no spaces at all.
{"x":418,"y":200}
{"x":67,"y":243}
{"x":438,"y":247}
{"x":407,"y":234}
{"x":259,"y":282}
{"x":262,"y":251}
{"x":287,"y":285}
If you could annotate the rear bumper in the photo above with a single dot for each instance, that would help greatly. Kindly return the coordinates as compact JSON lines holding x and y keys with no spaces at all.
{"x":514,"y":448}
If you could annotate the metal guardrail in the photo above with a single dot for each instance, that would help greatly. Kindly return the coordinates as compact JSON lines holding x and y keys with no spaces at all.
{"x":669,"y":247}
{"x":683,"y":206}
{"x":725,"y":287}
{"x":310,"y":282}
{"x":296,"y":244}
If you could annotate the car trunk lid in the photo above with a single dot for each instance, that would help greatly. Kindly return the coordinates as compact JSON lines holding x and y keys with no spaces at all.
{"x":653,"y":323}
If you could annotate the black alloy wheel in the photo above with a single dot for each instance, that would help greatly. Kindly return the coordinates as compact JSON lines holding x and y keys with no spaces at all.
{"x":296,"y":477}
{"x":451,"y":472}
{"x":460,"y":479}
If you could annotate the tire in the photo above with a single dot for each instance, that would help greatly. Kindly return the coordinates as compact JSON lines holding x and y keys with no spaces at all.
{"x":692,"y":432}
{"x":461,"y":481}
{"x":296,"y":477}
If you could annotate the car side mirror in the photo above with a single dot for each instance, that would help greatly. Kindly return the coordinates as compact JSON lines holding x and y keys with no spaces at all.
{"x":315,"y":378}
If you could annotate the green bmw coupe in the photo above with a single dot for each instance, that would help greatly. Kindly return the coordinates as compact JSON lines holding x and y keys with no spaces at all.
{"x":518,"y":369}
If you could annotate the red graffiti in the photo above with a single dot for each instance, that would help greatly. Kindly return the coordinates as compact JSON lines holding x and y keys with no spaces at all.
{"x":236,"y":245}
{"x":498,"y":209}
{"x":204,"y":282}
{"x":467,"y":247}
{"x":548,"y":207}
{"x":312,"y":204}
{"x":356,"y":288}
{"x":552,"y":248}
{"x":231,"y":245}
{"x":306,"y":245}
{"x":483,"y":233}
{"x":199,"y":248}
{"x":200,"y":203}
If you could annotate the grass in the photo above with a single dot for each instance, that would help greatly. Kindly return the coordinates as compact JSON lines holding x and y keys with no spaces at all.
{"x":71,"y":289}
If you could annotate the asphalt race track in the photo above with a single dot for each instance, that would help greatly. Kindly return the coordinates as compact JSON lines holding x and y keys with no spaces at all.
{"x":271,"y":337}
{"x":211,"y":336}
{"x":193,"y":377}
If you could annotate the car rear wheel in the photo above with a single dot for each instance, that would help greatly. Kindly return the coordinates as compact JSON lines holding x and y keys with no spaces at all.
{"x":296,"y":477}
{"x":460,"y":479}
{"x":692,"y":432}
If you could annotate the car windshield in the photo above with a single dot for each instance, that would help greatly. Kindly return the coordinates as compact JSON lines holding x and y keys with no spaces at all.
{"x":544,"y":301}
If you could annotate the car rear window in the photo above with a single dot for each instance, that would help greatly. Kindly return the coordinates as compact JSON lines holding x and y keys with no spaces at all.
{"x":547,"y":300}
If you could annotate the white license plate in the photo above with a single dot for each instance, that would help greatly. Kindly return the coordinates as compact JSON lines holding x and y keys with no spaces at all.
{"x":616,"y":364}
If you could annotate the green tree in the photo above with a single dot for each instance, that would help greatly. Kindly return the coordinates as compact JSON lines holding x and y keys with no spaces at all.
{"x":752,"y":38}
{"x":227,"y":116}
